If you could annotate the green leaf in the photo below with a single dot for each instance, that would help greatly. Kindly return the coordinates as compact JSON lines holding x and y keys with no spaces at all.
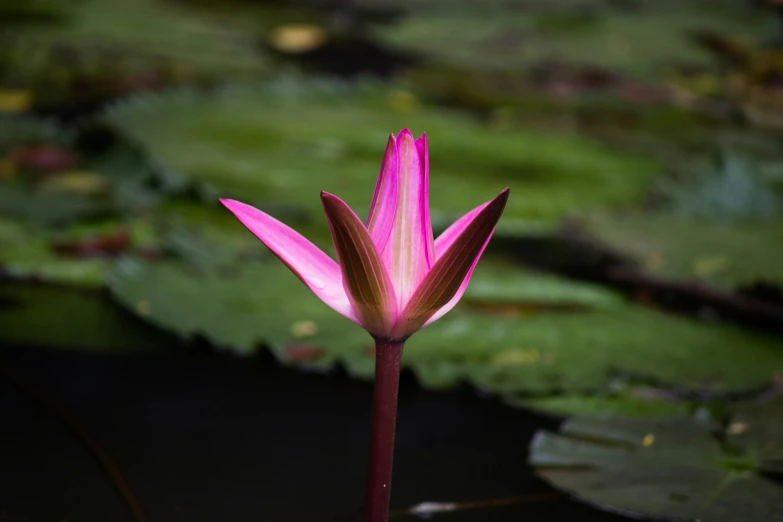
{"x":675,"y":469}
{"x":203,"y":236}
{"x":626,"y":41}
{"x":61,"y":317}
{"x":51,"y":208}
{"x":632,"y":404}
{"x":26,"y":252}
{"x":142,"y":29}
{"x":287,"y":140}
{"x":733,"y":191}
{"x":531,"y":350}
{"x":717,"y":253}
{"x":756,"y":428}
{"x":26,"y":130}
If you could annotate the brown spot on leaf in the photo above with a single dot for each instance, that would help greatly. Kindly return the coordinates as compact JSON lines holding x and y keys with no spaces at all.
{"x":106,"y":245}
{"x":517,"y":309}
{"x":302,"y":352}
{"x":44,"y":158}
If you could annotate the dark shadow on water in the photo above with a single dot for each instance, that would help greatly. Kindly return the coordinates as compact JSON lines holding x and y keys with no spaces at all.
{"x":210,"y":437}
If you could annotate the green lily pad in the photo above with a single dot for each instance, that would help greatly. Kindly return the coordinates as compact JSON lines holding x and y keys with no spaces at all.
{"x":625,"y":403}
{"x":673,"y":469}
{"x":146,"y":29}
{"x":627,"y":41}
{"x":27,"y":130}
{"x":54,"y":208}
{"x":288,"y":140}
{"x":84,"y":254}
{"x":724,"y":254}
{"x":505,"y":285}
{"x":734,"y":190}
{"x":68,"y":318}
{"x":74,"y":186}
{"x":536,"y":345}
{"x":756,"y":428}
{"x":29,"y":252}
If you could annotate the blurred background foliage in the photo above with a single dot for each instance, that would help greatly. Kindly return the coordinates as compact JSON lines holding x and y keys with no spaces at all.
{"x":641,"y":247}
{"x":636,"y":274}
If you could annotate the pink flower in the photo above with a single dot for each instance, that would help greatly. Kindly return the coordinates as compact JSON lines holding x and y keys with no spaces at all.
{"x":393,"y":278}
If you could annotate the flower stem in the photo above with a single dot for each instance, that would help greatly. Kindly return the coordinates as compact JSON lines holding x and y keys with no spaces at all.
{"x":388,"y":355}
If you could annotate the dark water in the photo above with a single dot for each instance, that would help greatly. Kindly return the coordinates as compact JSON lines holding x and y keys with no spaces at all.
{"x":209,"y":437}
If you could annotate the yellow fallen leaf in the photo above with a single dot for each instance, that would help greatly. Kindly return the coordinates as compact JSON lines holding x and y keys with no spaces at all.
{"x":297,"y":38}
{"x":15,"y":100}
{"x":302,"y":329}
{"x":76,"y":181}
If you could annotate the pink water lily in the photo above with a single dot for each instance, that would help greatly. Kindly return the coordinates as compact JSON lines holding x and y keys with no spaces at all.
{"x":393,"y":278}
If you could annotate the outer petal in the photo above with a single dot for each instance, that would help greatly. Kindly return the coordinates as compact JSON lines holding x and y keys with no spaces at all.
{"x":453,"y":268}
{"x":384,"y":202}
{"x":426,"y":221}
{"x":309,"y":263}
{"x":443,"y":243}
{"x":364,"y":276}
{"x":407,"y":254}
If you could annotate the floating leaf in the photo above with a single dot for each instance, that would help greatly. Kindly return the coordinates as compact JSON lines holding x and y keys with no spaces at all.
{"x":82,"y":255}
{"x":626,"y":403}
{"x":19,"y":130}
{"x":51,"y":208}
{"x":718,"y":253}
{"x":142,"y":28}
{"x":625,"y":40}
{"x":27,"y":252}
{"x":286,"y":140}
{"x":733,"y":191}
{"x":61,"y":317}
{"x":676,"y":469}
{"x":756,"y":428}
{"x":255,"y":304}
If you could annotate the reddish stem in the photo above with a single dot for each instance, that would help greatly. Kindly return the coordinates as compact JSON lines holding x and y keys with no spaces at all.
{"x":388,"y":355}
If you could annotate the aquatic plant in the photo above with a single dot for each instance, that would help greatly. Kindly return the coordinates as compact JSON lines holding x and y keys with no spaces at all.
{"x":393,"y":277}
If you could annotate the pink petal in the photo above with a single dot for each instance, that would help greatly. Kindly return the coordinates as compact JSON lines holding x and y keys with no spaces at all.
{"x":408,"y":253}
{"x":364,"y":275}
{"x":443,"y":243}
{"x":384,"y":202}
{"x":449,"y":235}
{"x":453,"y":268}
{"x":426,"y":221}
{"x":309,"y":263}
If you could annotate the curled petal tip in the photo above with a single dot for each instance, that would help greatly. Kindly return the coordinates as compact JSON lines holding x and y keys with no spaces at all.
{"x":404,"y":132}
